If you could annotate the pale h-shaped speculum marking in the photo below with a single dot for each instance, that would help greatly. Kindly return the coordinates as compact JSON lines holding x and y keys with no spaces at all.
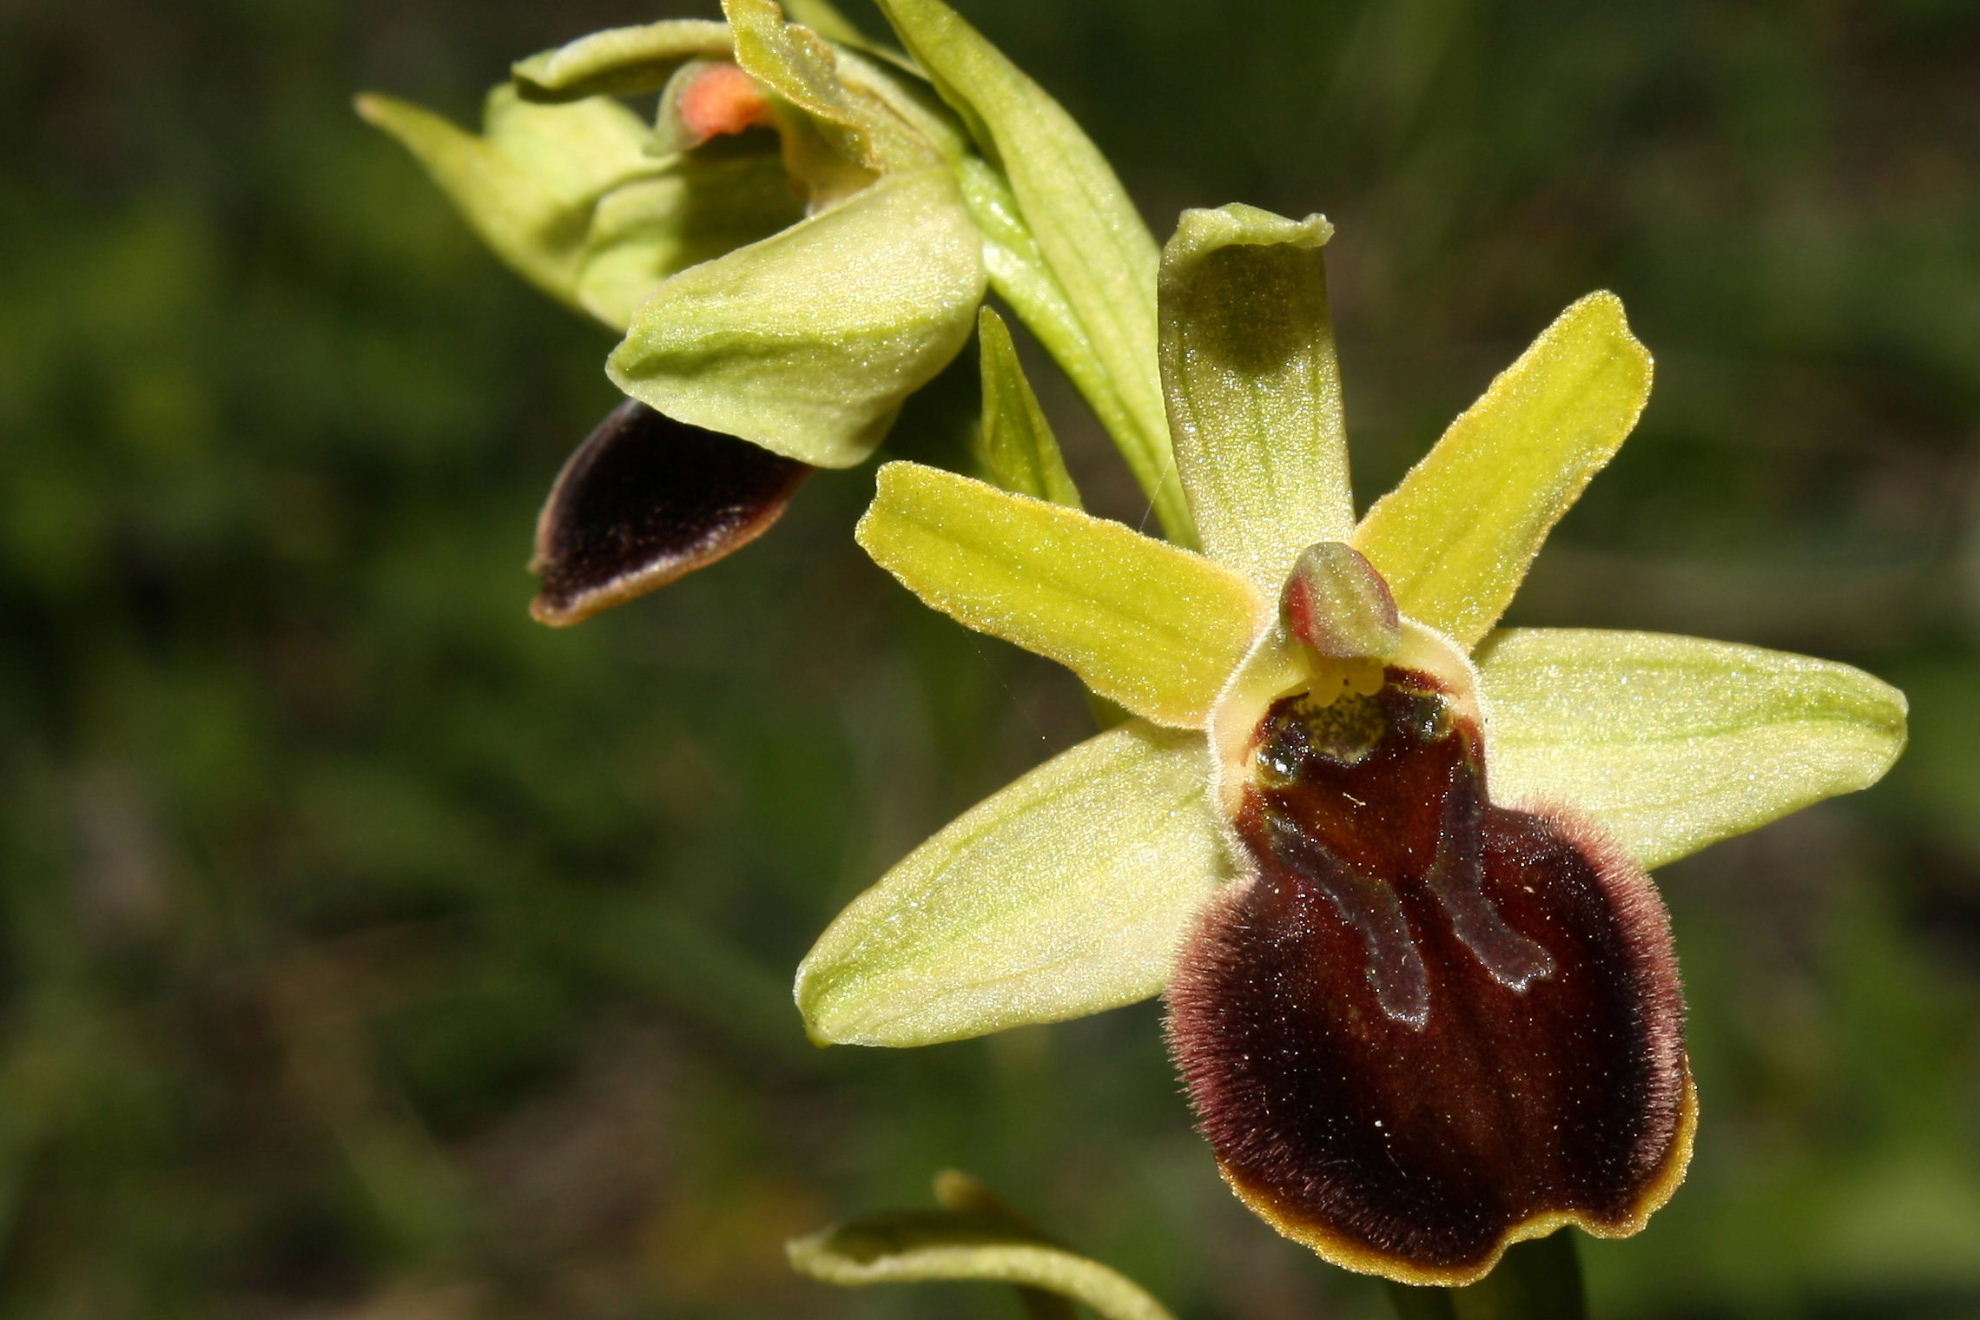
{"x":1456,"y":878}
{"x":1371,"y":906}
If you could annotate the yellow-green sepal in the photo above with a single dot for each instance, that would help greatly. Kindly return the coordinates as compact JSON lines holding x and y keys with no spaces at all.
{"x":1456,"y":537}
{"x":807,"y":342}
{"x":1063,"y":894}
{"x":528,"y":183}
{"x":1015,"y":440}
{"x":976,"y":1237}
{"x":1253,"y":389}
{"x":1143,"y":623}
{"x":1673,"y":743}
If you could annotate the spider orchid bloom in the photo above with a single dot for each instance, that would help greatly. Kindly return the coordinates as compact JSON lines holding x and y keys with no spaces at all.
{"x":785,"y":250}
{"x":1387,"y":861}
{"x":799,"y":242}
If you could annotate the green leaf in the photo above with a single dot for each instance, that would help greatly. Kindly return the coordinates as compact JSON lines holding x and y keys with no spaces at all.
{"x":1018,"y":446}
{"x":694,"y":209}
{"x":1087,"y":235}
{"x":1254,"y":393}
{"x":1456,"y":537}
{"x":1142,"y":622}
{"x":971,"y":1240}
{"x":1064,"y":894}
{"x":1673,"y":743}
{"x":529,"y":183}
{"x":807,"y":342}
{"x":620,"y":61}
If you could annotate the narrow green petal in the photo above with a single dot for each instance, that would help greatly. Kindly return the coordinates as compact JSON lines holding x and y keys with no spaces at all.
{"x":527,"y":187}
{"x":1064,"y":894}
{"x":1018,"y":446}
{"x":1673,"y":743}
{"x":1456,"y":537}
{"x":1142,"y":623}
{"x":621,"y":61}
{"x":807,"y":342}
{"x":1088,"y":234}
{"x":969,"y":1241}
{"x":1253,"y":390}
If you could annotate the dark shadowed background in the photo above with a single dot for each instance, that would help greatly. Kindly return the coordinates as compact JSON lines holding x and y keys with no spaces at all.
{"x":367,"y":951}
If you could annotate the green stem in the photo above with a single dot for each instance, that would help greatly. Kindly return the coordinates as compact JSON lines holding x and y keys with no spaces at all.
{"x":1537,"y":1280}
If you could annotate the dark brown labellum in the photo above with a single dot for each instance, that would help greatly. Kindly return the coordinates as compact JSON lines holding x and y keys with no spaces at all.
{"x":645,"y":500}
{"x":1427,"y":1025}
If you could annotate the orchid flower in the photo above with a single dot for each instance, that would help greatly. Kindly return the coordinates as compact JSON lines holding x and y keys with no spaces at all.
{"x":1387,"y":860}
{"x":798,"y":242}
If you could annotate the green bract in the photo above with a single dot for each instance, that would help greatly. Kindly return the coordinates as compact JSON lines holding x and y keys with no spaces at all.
{"x":1019,"y":912}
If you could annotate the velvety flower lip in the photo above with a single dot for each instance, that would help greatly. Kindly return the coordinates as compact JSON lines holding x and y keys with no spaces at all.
{"x":1425,"y":1025}
{"x":1422,"y":994}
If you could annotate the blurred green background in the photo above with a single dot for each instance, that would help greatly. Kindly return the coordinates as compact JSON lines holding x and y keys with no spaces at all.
{"x":368,"y":951}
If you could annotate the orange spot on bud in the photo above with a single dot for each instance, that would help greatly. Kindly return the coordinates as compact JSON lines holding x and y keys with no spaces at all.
{"x":721,"y":99}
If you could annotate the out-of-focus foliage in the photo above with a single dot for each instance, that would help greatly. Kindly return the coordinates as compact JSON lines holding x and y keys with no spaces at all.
{"x":367,"y":950}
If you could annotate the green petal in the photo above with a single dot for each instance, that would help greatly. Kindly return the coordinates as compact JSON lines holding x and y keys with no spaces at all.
{"x":974,"y":1238}
{"x":1673,"y":743}
{"x":1456,"y":537}
{"x":1017,"y":443}
{"x":621,"y":61}
{"x":528,"y":185}
{"x":1077,"y":223}
{"x":1253,"y":391}
{"x":1142,"y":623}
{"x":807,"y":342}
{"x":1064,"y":894}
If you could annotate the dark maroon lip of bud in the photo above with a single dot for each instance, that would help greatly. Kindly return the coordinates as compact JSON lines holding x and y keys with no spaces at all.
{"x":1428,"y":1025}
{"x":646,"y":500}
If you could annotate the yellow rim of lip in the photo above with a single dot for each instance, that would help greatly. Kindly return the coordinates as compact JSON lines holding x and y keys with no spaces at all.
{"x":1364,"y":1259}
